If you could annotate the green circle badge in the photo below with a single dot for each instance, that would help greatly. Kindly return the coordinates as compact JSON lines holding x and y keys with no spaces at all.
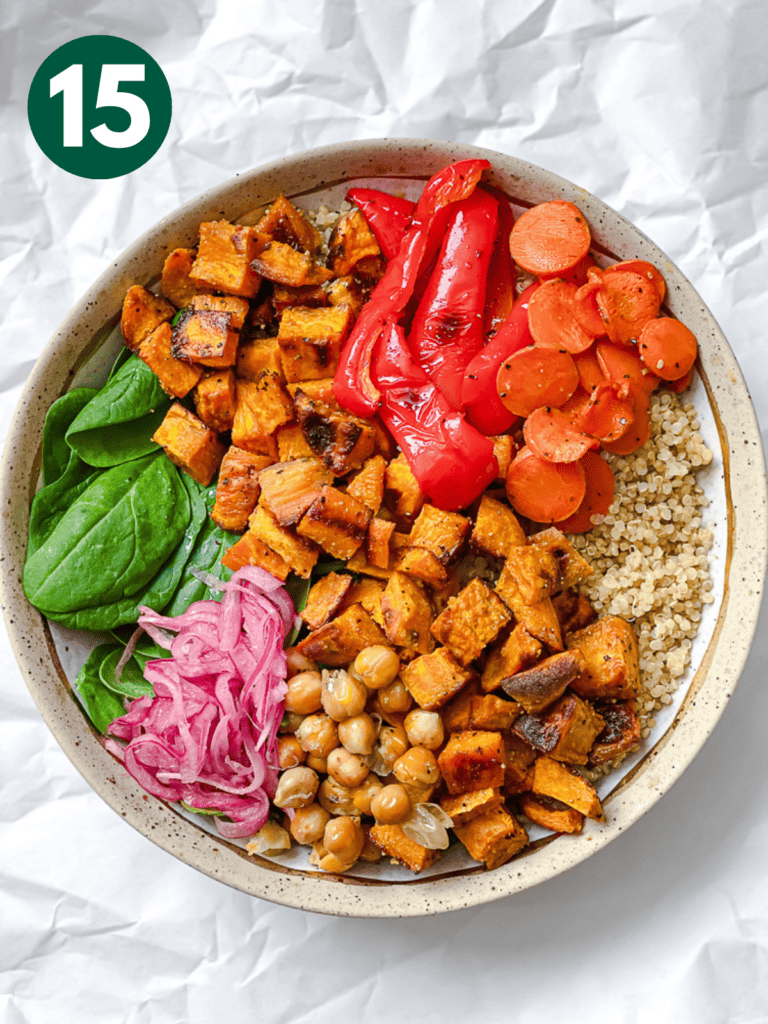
{"x":99,"y":106}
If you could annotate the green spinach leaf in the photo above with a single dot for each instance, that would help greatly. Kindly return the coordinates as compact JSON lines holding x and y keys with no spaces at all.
{"x":51,"y":502}
{"x":102,"y":705}
{"x":298,"y":591}
{"x":211,"y":544}
{"x":132,"y":682}
{"x":63,"y":412}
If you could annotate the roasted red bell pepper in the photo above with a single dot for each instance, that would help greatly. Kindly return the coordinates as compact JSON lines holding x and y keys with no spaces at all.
{"x":479,"y":397}
{"x":452,"y":462}
{"x":353,"y":386}
{"x":500,"y":290}
{"x":387,"y":216}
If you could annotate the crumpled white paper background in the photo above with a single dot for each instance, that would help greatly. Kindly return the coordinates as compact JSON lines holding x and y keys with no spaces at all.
{"x":660,"y":107}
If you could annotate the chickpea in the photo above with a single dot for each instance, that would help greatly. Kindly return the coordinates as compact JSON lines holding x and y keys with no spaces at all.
{"x":303,"y":693}
{"x":394,"y":698}
{"x":317,"y":764}
{"x":358,"y":734}
{"x":377,"y":666}
{"x":309,"y":824}
{"x":296,"y":788}
{"x":342,"y":696}
{"x":424,"y":728}
{"x":417,"y":767}
{"x":343,"y":837}
{"x":391,"y":805}
{"x":346,"y":768}
{"x":289,"y":752}
{"x":318,"y":735}
{"x":392,"y":744}
{"x":335,"y":798}
{"x":291,"y":722}
{"x":297,"y":662}
{"x":363,"y":794}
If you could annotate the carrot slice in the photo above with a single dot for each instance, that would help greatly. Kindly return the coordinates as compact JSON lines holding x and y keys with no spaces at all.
{"x":554,"y":435}
{"x":598,"y":498}
{"x":590,"y":371}
{"x":627,"y":302}
{"x":619,"y":364}
{"x":638,"y":432}
{"x":645,"y":270}
{"x":576,"y":275}
{"x":551,"y":318}
{"x":586,"y":310}
{"x":550,"y":238}
{"x":546,"y":492}
{"x":680,"y":385}
{"x":536,"y":376}
{"x":668,"y":348}
{"x":609,"y":413}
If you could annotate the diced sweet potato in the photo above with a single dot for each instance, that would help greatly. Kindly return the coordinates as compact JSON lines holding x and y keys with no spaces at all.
{"x":224,"y":259}
{"x":563,"y":783}
{"x":534,"y":570}
{"x":237,"y":490}
{"x":325,"y":598}
{"x":368,"y":485}
{"x":345,"y":291}
{"x":339,"y":641}
{"x":612,"y":667}
{"x":311,"y":340}
{"x":621,"y":732}
{"x":538,"y":687}
{"x":519,"y":756}
{"x":291,"y":443}
{"x":572,"y":567}
{"x":470,"y":621}
{"x":190,"y":444}
{"x":284,"y":297}
{"x":491,"y":712}
{"x":205,"y":336}
{"x":407,"y":613}
{"x":496,"y":528}
{"x":283,"y":222}
{"x":399,"y":481}
{"x":519,"y":651}
{"x":236,"y":307}
{"x":299,"y":553}
{"x":377,"y":542}
{"x":396,"y":844}
{"x":358,"y":563}
{"x":472,"y":760}
{"x":466,"y":806}
{"x":316,"y":391}
{"x":216,"y":398}
{"x":142,"y":313}
{"x":336,"y":521}
{"x":555,"y":817}
{"x":493,"y":837}
{"x":504,"y":450}
{"x":176,"y":283}
{"x":289,"y":488}
{"x":249,"y":550}
{"x":422,"y":564}
{"x":573,"y":610}
{"x":540,"y":620}
{"x":342,"y":441}
{"x":262,"y":406}
{"x":351,"y":241}
{"x":456,"y":713}
{"x":176,"y":377}
{"x":255,"y":355}
{"x":433,"y":679}
{"x":442,"y":533}
{"x":566,"y":731}
{"x":281,"y":263}
{"x":366,"y":592}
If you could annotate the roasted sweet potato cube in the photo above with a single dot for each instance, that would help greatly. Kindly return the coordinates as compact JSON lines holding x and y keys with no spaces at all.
{"x":518,"y":769}
{"x":493,"y":837}
{"x":289,"y":488}
{"x":433,"y":679}
{"x":377,"y":542}
{"x":368,"y":485}
{"x":540,"y":620}
{"x":457,"y":712}
{"x":466,"y":806}
{"x":255,"y":355}
{"x":442,"y":533}
{"x":504,"y":450}
{"x":325,"y":598}
{"x":534,"y":570}
{"x":366,"y":592}
{"x":407,"y":613}
{"x":573,"y":568}
{"x":299,"y":553}
{"x":216,"y":398}
{"x":249,"y":550}
{"x":490,"y":712}
{"x":316,"y":391}
{"x":342,"y":441}
{"x":284,"y":297}
{"x":612,"y":667}
{"x":358,"y":563}
{"x":563,"y":783}
{"x":237,"y":308}
{"x":263,"y":405}
{"x":337,"y":521}
{"x":190,"y":444}
{"x":205,"y":336}
{"x":472,"y":760}
{"x":621,"y":732}
{"x":519,"y":651}
{"x":176,"y":377}
{"x":142,"y":313}
{"x":396,"y":844}
{"x":340,"y":641}
{"x":573,"y":610}
{"x":552,"y":815}
{"x":351,"y":241}
{"x":346,"y":291}
{"x":470,"y":621}
{"x":238,"y":488}
{"x":311,"y":340}
{"x":538,"y":687}
{"x":496,"y":529}
{"x":291,"y":443}
{"x":176,"y":283}
{"x":224,"y":259}
{"x":566,"y":731}
{"x":400,"y":483}
{"x":422,"y":564}
{"x":284,"y":223}
{"x":281,"y":263}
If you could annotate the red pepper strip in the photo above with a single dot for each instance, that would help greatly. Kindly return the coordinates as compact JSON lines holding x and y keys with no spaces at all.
{"x":502,"y":276}
{"x":451,"y":461}
{"x":352,"y":386}
{"x":479,"y":397}
{"x":387,"y":216}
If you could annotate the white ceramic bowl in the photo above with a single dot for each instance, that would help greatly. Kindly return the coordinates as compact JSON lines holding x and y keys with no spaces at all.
{"x":83,"y":347}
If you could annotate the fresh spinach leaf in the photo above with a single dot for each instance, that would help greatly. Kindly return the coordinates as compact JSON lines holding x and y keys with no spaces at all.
{"x":211,"y":544}
{"x":102,"y":705}
{"x":298,"y":591}
{"x":117,"y":425}
{"x":51,"y":502}
{"x":63,"y":412}
{"x":132,"y":682}
{"x":122,"y":358}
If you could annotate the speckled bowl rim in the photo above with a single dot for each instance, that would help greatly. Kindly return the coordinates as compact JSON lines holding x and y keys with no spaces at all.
{"x":89,"y":323}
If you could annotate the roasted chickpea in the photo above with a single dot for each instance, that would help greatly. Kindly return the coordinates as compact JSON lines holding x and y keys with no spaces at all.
{"x":296,"y":788}
{"x":394,"y":698}
{"x":365,"y":792}
{"x":424,"y":728}
{"x":290,"y":752}
{"x":391,"y":805}
{"x":291,"y":722}
{"x":304,"y":692}
{"x":358,"y":734}
{"x":309,"y":824}
{"x":343,"y":837}
{"x":392,"y":744}
{"x":318,"y":735}
{"x":342,"y":696}
{"x":417,"y":767}
{"x":317,"y":764}
{"x":377,"y":666}
{"x":297,"y":662}
{"x":335,"y":798}
{"x":346,"y":768}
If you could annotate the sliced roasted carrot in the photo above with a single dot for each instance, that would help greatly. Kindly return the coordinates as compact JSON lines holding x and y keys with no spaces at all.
{"x":576,"y":275}
{"x":546,"y":492}
{"x":627,"y":302}
{"x":680,"y":385}
{"x":638,"y":432}
{"x":551,"y":318}
{"x":536,"y":376}
{"x":620,"y":364}
{"x":590,"y":371}
{"x":645,"y":270}
{"x":586,"y":310}
{"x":667,"y":347}
{"x":554,"y":435}
{"x":576,"y":405}
{"x":609,"y":413}
{"x":598,"y":498}
{"x":550,"y":238}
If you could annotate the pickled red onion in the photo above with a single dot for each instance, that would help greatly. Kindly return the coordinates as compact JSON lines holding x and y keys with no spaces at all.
{"x":209,"y":734}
